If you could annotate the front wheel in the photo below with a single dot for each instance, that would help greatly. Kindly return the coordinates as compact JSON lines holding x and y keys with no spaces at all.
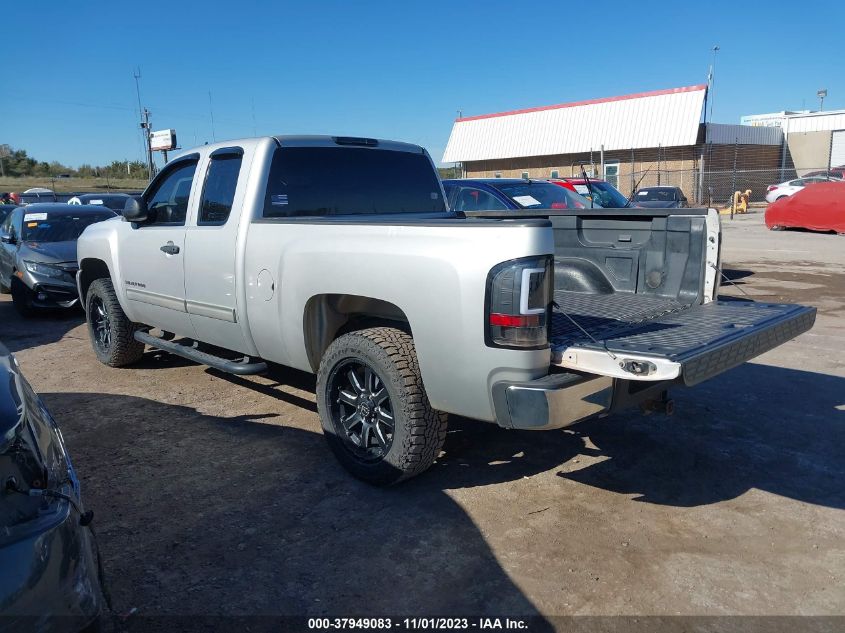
{"x":373,"y":407}
{"x":112,"y":333}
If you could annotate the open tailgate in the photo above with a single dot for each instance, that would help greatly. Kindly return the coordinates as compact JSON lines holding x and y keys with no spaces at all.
{"x":650,"y":339}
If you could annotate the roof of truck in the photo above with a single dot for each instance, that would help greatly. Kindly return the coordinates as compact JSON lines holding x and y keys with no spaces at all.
{"x":317,"y":140}
{"x":305,"y":140}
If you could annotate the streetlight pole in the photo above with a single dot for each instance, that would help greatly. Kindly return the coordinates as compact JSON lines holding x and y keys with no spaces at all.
{"x":712,"y":81}
{"x":821,"y":94}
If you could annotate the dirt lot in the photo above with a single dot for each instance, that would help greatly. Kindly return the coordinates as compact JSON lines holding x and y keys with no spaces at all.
{"x":217,"y":495}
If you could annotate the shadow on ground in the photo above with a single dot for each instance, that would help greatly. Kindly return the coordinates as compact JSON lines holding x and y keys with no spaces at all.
{"x":238,"y":515}
{"x":756,"y":427}
{"x":50,"y":326}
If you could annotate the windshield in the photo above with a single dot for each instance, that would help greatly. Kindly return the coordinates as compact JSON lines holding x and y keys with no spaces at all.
{"x":542,"y":195}
{"x":605,"y":195}
{"x":656,"y":195}
{"x":58,"y":227}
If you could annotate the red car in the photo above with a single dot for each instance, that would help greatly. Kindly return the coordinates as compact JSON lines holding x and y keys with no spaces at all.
{"x":818,"y":208}
{"x":605,"y":194}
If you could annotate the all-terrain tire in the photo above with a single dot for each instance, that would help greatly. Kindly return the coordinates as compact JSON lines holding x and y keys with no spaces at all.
{"x":122,"y":349}
{"x":419,"y":431}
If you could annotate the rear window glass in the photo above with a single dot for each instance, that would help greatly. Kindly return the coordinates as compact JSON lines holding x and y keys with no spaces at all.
{"x":542,"y":195}
{"x":656,"y":195}
{"x":325,"y":181}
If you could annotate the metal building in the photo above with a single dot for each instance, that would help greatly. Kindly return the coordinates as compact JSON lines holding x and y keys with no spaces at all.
{"x":813,"y":140}
{"x":633,"y":140}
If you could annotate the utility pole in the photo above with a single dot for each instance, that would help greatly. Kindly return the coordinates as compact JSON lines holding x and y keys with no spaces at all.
{"x":145,"y":126}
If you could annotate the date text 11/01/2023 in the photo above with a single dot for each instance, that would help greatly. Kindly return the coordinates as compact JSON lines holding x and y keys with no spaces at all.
{"x":421,"y":624}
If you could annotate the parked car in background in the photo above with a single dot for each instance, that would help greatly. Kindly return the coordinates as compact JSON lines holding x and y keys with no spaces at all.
{"x":659,"y":198}
{"x":38,"y":253}
{"x":601,"y":192}
{"x":50,"y":579}
{"x":834,"y":172}
{"x":818,"y":208}
{"x":5,"y":210}
{"x":501,"y":194}
{"x":113,"y":201}
{"x":786,"y":189}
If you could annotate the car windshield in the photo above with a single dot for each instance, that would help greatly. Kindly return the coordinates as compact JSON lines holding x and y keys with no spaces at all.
{"x":542,"y":195}
{"x":604,"y":195}
{"x":58,"y":227}
{"x":656,"y":195}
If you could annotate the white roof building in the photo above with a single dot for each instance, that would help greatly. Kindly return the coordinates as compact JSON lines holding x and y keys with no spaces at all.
{"x":648,"y":119}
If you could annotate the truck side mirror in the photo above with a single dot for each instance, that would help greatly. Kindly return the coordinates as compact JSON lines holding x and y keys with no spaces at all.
{"x":135,"y":210}
{"x":6,"y":238}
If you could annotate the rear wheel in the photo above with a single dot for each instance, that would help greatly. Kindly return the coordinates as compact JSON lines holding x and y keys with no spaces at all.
{"x":111,"y":331}
{"x":22,"y":299}
{"x":373,"y":407}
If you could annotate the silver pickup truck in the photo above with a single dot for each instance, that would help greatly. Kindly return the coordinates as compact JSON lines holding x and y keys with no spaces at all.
{"x":338,"y":256}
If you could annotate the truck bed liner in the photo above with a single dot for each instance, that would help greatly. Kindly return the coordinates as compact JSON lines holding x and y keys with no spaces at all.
{"x":703,"y":340}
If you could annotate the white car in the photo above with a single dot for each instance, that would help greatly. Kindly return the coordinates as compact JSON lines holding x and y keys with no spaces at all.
{"x":786,"y":189}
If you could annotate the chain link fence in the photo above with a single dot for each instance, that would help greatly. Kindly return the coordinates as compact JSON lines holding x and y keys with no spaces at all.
{"x":708,"y":174}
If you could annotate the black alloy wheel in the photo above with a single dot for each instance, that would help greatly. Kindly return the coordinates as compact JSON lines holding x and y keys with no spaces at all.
{"x":100,"y":324}
{"x":361,"y":410}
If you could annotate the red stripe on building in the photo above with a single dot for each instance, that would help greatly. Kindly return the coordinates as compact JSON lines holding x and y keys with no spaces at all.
{"x":638,"y":95}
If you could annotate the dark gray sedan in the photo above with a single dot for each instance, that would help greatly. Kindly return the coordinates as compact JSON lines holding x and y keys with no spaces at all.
{"x":49,"y":579}
{"x":38,"y":253}
{"x":659,"y":198}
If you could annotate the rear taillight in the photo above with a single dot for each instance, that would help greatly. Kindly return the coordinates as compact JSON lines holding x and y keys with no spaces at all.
{"x":771,"y":187}
{"x":518,"y":303}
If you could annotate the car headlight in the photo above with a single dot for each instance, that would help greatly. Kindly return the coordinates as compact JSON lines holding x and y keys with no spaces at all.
{"x":45,"y":270}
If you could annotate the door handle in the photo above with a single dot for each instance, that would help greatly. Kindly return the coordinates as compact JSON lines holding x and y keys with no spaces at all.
{"x":170,"y":248}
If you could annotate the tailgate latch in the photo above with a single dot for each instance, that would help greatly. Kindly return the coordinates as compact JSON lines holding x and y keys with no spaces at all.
{"x":638,"y":367}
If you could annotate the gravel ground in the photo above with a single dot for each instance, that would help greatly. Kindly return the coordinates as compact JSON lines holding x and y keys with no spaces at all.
{"x":216,"y":495}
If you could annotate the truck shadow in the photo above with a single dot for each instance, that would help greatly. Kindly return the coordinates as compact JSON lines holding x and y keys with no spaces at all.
{"x":769,"y":428}
{"x":49,"y":326}
{"x":234,"y":516}
{"x":744,"y":429}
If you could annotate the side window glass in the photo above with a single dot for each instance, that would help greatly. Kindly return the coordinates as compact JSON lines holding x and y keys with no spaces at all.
{"x":12,"y":223}
{"x":218,"y":193}
{"x":168,"y":202}
{"x":471,"y":199}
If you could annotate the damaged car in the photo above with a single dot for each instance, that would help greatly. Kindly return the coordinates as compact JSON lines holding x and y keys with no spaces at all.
{"x":51,"y":576}
{"x":38,"y":253}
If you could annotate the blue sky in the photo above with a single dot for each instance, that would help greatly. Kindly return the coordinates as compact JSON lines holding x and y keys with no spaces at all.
{"x":397,"y":70}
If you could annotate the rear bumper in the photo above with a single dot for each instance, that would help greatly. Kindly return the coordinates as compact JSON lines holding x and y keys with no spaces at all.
{"x":551,"y":402}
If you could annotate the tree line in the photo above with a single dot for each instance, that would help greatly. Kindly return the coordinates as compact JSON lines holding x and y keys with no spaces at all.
{"x":16,"y":162}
